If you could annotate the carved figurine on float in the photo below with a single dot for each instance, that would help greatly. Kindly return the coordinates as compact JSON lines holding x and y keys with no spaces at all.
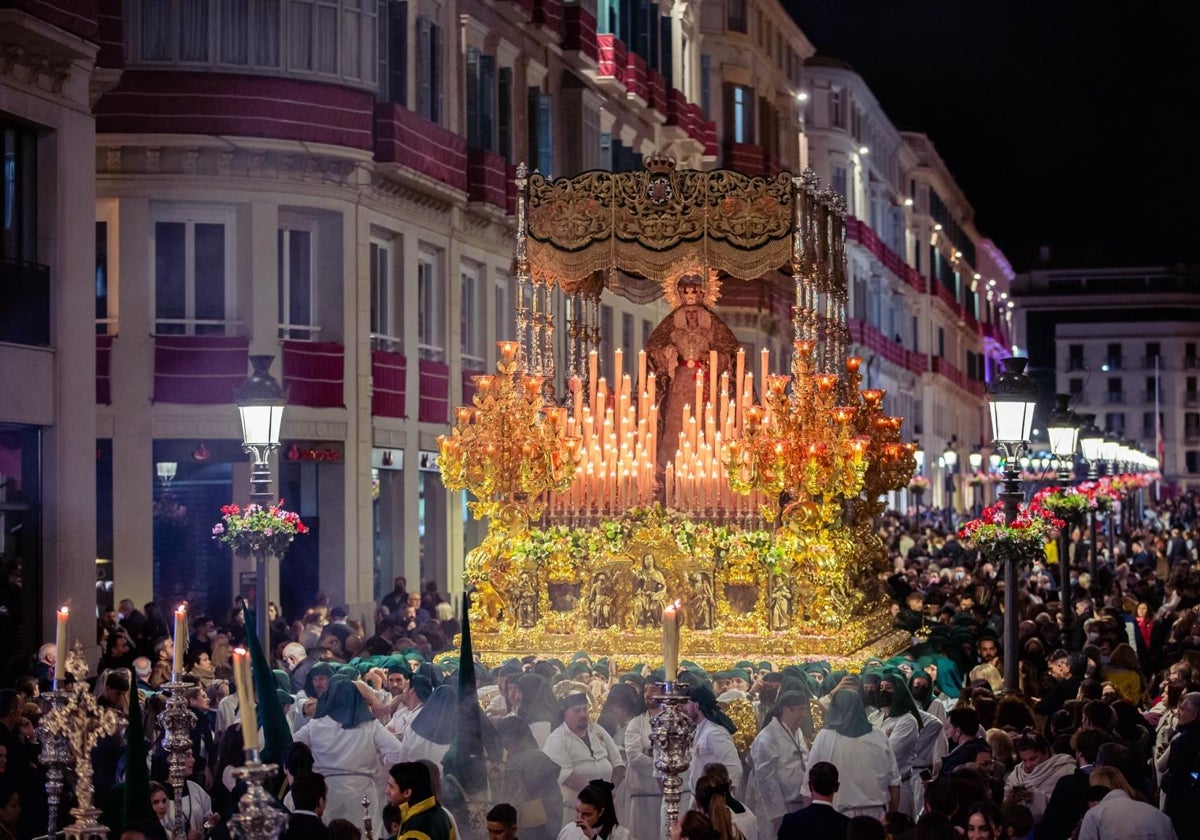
{"x":525,"y":598}
{"x":600,"y":602}
{"x":781,"y":602}
{"x":649,"y":594}
{"x":702,"y":601}
{"x":681,"y":348}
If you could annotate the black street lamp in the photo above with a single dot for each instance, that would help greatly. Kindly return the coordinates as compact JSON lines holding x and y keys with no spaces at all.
{"x":950,"y":462}
{"x":260,"y":405}
{"x":1011,"y":397}
{"x":1091,"y":442}
{"x":975,"y":460}
{"x":1063,"y":430}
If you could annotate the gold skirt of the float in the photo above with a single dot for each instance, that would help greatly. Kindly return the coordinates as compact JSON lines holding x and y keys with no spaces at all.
{"x":741,"y":593}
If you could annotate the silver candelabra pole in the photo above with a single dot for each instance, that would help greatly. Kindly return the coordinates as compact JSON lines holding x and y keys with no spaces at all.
{"x":257,"y":817}
{"x":368,"y":829}
{"x":177,"y":722}
{"x":56,"y":755}
{"x":671,"y":734}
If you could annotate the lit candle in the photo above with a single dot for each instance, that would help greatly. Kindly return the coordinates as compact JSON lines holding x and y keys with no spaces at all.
{"x":245,"y":694}
{"x":60,"y":646}
{"x":181,"y":636}
{"x":741,"y":371}
{"x":669,"y":485}
{"x":712,"y":375}
{"x":765,"y":366}
{"x":671,"y":641}
{"x":618,"y":364}
{"x":593,"y":377}
{"x":577,"y":395}
{"x":641,"y":380}
{"x":650,"y":387}
{"x":698,"y":405}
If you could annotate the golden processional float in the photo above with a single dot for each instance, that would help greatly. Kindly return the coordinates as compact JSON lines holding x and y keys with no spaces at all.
{"x":749,"y":501}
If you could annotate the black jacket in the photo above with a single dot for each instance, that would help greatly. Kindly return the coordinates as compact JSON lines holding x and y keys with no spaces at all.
{"x":815,"y":821}
{"x":305,"y":827}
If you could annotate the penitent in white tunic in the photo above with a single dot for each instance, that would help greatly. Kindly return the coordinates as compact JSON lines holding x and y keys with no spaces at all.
{"x":780,"y":761}
{"x":594,"y":760}
{"x":866,"y":769}
{"x":354,"y":763}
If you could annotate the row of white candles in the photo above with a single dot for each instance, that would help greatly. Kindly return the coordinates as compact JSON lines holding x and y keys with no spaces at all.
{"x":241,"y":669}
{"x":618,"y":453}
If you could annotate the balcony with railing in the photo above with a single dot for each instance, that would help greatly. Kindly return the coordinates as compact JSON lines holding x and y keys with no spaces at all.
{"x":24,"y":303}
{"x":944,"y":368}
{"x":199,"y":369}
{"x":1114,"y":397}
{"x":859,"y":231}
{"x":1113,"y":363}
{"x":1191,"y":362}
{"x":1076,"y":363}
{"x":1191,"y":398}
{"x":873,"y":340}
{"x":1152,"y":362}
{"x":411,"y":142}
{"x":313,"y":373}
{"x":389,"y":376}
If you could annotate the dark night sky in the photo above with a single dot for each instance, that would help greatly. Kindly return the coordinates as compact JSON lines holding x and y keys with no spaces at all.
{"x":1066,"y":124}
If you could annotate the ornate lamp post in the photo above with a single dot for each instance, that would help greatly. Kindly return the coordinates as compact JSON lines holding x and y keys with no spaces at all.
{"x":1091,"y":439}
{"x":260,"y":404}
{"x":975,"y":460}
{"x":1063,"y":429}
{"x":1011,"y":399}
{"x":1109,"y":450}
{"x":950,"y":462}
{"x":919,"y":455}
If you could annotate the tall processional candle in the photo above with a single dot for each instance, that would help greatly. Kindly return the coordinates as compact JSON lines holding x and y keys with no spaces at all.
{"x":671,"y":641}
{"x":245,"y":695}
{"x":60,"y":645}
{"x":181,"y":637}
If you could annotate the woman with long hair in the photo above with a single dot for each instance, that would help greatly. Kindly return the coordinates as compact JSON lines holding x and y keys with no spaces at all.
{"x":712,"y":798}
{"x":1032,"y":781}
{"x":693,"y":825}
{"x":985,"y":821}
{"x":595,"y":815}
{"x":1114,"y":779}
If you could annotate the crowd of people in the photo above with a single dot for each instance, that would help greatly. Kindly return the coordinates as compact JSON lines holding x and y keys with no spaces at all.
{"x":1100,"y":739}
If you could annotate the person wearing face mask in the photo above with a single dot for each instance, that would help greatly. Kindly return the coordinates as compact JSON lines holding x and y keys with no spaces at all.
{"x":869,"y":690}
{"x":911,"y":733}
{"x":920,"y":686}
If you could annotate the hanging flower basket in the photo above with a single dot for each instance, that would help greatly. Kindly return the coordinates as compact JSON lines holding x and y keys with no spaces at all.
{"x":258,"y":529}
{"x":1022,"y":539}
{"x":1066,"y":503}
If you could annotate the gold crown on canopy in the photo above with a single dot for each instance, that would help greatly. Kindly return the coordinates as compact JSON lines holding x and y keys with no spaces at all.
{"x":694,"y":270}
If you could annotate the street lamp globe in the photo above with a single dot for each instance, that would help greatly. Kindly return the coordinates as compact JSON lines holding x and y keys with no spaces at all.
{"x":975,"y":459}
{"x":1109,"y":449}
{"x":919,"y":455}
{"x":1011,"y":397}
{"x":260,"y":404}
{"x":1063,"y":429}
{"x":1091,"y":439}
{"x":950,"y":457}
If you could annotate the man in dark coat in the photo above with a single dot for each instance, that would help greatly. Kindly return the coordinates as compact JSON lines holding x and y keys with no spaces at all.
{"x":308,"y":797}
{"x":818,"y":819}
{"x":1181,"y":782}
